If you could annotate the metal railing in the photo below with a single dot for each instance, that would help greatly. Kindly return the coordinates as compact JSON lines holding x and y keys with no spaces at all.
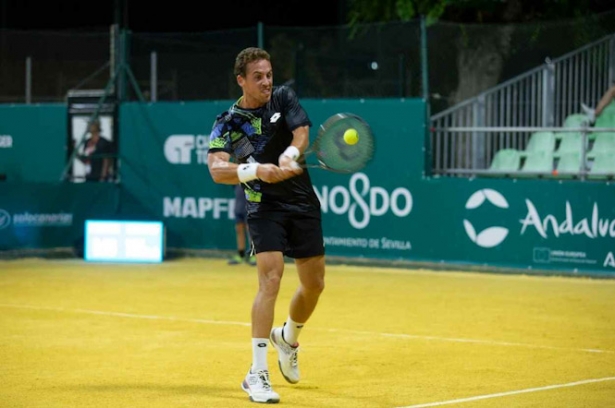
{"x":542,"y":97}
{"x":455,"y":152}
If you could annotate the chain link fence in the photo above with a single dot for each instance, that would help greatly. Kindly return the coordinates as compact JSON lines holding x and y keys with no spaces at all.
{"x":468,"y":59}
{"x":368,"y":61}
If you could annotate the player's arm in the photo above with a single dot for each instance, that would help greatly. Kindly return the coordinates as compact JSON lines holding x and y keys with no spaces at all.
{"x":301,"y":139}
{"x":296,"y":119}
{"x":223,"y":171}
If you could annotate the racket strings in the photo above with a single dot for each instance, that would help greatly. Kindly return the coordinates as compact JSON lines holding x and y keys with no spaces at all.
{"x":334,"y":153}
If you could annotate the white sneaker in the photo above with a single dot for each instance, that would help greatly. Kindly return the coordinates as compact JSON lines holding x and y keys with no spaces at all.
{"x":287,"y":356}
{"x":258,"y":387}
{"x":591,"y":113}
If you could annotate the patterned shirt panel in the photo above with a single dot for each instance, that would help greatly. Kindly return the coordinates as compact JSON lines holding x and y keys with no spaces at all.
{"x":261,"y":135}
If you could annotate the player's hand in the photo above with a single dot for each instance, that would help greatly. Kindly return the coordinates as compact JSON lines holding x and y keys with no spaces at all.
{"x":270,"y":173}
{"x":288,"y":163}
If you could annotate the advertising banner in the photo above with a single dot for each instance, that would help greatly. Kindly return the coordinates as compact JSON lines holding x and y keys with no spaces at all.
{"x":390,"y":210}
{"x":32,"y":142}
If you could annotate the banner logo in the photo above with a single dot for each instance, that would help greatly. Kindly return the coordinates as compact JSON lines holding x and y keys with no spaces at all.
{"x":198,"y":207}
{"x":361,"y":201}
{"x":492,"y":236}
{"x":592,"y":227}
{"x":178,"y":148}
{"x":5,"y":219}
{"x":28,"y":219}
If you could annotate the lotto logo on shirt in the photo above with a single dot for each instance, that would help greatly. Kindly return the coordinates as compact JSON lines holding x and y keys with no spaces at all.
{"x":184,"y":149}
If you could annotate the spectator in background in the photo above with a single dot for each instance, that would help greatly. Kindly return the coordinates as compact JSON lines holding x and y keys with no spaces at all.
{"x":97,"y":166}
{"x":608,"y":96}
{"x":241,"y":229}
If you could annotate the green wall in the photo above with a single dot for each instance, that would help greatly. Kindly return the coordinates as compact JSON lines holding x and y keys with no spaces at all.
{"x":51,"y":215}
{"x":37,"y":135}
{"x":388,"y":211}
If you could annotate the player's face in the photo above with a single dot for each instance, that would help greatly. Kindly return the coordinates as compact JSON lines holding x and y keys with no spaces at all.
{"x":257,"y":83}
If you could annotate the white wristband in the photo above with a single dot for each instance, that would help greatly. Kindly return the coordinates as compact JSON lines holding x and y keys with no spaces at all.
{"x":292,"y":152}
{"x":247,"y":172}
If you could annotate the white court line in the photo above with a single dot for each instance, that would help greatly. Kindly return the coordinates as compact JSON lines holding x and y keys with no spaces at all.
{"x":368,"y":333}
{"x":504,"y":394}
{"x":487,"y":342}
{"x":133,"y":316}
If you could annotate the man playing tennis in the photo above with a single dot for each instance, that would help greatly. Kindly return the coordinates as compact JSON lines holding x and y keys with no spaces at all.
{"x":265,"y":132}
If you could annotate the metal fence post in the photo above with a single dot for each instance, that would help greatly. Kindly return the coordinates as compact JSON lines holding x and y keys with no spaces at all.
{"x":113,"y":48}
{"x":478,"y":138}
{"x":611,"y":61}
{"x":153,"y":83}
{"x":427,"y":152}
{"x":583,"y":169}
{"x":29,"y":80}
{"x":548,"y":93}
{"x":260,"y":33}
{"x":424,"y":65}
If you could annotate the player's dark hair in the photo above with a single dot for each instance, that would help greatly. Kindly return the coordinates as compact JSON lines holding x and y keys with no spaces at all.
{"x":247,"y":56}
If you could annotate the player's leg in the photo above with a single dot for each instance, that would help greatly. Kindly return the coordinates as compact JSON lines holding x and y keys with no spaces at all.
{"x":270,"y":267}
{"x":307,"y":248}
{"x":269,"y":240}
{"x":240,"y":230}
{"x":240,"y":226}
{"x":608,"y":96}
{"x":250,"y":256}
{"x":311,"y":284}
{"x":240,"y":242}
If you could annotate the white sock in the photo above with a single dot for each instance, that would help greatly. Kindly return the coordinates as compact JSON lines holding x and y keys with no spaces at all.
{"x":259,"y":354}
{"x":291,"y":331}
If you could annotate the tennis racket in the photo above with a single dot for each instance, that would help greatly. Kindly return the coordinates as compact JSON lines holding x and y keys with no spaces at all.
{"x":331,"y":149}
{"x":339,"y":153}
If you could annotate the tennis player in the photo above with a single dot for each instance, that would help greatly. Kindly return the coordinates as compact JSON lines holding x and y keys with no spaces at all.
{"x":284,"y":216}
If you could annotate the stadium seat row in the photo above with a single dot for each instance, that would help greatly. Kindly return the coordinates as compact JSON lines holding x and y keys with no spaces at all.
{"x":557,"y":154}
{"x":553,"y":165}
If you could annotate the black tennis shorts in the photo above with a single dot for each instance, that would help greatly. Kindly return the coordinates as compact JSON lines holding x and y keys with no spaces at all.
{"x":297,"y":235}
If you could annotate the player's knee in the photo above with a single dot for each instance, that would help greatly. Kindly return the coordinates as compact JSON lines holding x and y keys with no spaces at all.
{"x":270,"y":284}
{"x":314,"y":286}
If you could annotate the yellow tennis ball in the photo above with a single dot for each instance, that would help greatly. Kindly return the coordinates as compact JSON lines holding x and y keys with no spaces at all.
{"x":351,"y":136}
